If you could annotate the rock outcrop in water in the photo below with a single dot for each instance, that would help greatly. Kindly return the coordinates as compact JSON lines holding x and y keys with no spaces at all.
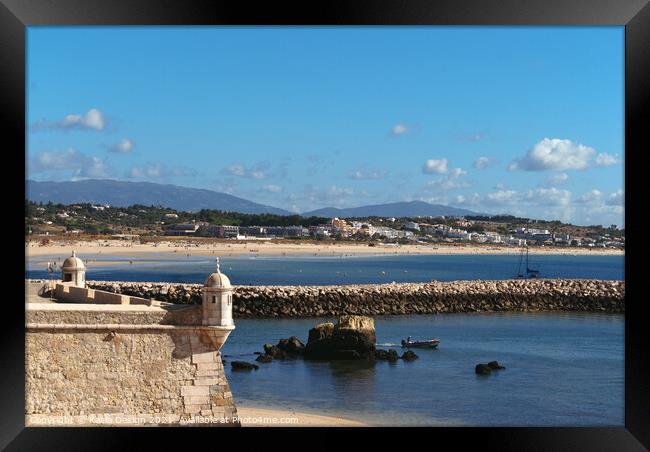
{"x":292,"y":346}
{"x":383,"y":355}
{"x":352,"y":338}
{"x":409,"y":356}
{"x":486,"y":369}
{"x":525,"y":295}
{"x":243,"y":365}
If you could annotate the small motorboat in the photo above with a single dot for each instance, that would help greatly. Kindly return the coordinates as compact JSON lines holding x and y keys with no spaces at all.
{"x":431,"y":343}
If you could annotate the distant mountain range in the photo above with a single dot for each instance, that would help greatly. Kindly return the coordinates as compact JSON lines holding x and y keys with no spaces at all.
{"x":123,"y":194}
{"x":396,"y":209}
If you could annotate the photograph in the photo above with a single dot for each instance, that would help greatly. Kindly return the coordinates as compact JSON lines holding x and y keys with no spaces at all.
{"x":325,"y":226}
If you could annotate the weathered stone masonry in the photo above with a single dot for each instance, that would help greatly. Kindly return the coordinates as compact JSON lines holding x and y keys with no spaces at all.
{"x":118,"y":365}
{"x":405,"y":298}
{"x":100,"y":358}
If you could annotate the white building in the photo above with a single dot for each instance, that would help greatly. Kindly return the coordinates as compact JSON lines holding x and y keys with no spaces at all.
{"x":514,"y":241}
{"x":493,"y":237}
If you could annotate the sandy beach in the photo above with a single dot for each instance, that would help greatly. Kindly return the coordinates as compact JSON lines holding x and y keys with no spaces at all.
{"x":264,"y":417}
{"x":98,"y":248}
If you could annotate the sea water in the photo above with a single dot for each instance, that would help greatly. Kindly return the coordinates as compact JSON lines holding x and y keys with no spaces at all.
{"x":562,"y":369}
{"x":308,"y":270}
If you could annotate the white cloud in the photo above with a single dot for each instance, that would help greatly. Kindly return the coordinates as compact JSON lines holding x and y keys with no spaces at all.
{"x":470,"y":200}
{"x":483,"y":162}
{"x":361,"y":174}
{"x":257,"y":171}
{"x":548,"y":197}
{"x":457,"y":172}
{"x":55,"y":161}
{"x":592,"y":196}
{"x":78,"y":164}
{"x":339,"y":191}
{"x":595,"y":207}
{"x":450,"y":182}
{"x":272,"y":188}
{"x":400,"y":129}
{"x":158,"y":171}
{"x":554,"y":154}
{"x":440,"y":199}
{"x":124,"y":146}
{"x":447,"y":184}
{"x":435,"y":166}
{"x":148,"y":171}
{"x":558,"y":178}
{"x":96,"y":168}
{"x":539,"y":197}
{"x":235,"y":170}
{"x":550,"y":203}
{"x":616,"y":199}
{"x":501,"y":197}
{"x":605,"y":159}
{"x":472,"y":137}
{"x":311,"y":197}
{"x":92,"y":119}
{"x":226,"y":185}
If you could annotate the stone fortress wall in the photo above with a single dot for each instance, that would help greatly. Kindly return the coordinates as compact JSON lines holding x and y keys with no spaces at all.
{"x":525,"y":295}
{"x":98,"y":358}
{"x":116,"y":365}
{"x":72,"y":294}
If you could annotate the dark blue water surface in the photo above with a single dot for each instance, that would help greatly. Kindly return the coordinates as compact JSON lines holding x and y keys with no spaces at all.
{"x":297,"y":270}
{"x":562,"y":369}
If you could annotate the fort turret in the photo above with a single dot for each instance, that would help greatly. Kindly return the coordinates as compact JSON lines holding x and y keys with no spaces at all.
{"x":73,"y":271}
{"x":217,"y":299}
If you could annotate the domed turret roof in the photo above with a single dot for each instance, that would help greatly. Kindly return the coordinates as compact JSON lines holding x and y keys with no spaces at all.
{"x":217,"y":279}
{"x":73,"y":262}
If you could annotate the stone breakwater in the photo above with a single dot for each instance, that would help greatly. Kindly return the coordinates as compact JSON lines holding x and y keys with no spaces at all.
{"x":405,"y":298}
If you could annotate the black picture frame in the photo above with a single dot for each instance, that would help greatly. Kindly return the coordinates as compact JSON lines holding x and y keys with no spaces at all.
{"x":16,"y":15}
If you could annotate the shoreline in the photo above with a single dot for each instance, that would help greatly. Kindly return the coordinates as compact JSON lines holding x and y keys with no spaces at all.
{"x":254,"y":416}
{"x":267,"y":248}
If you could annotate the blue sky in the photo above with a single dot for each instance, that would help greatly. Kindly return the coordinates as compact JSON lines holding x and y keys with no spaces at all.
{"x":521,"y":120}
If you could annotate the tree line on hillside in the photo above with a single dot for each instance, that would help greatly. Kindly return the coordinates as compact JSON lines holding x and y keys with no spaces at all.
{"x":83,"y":215}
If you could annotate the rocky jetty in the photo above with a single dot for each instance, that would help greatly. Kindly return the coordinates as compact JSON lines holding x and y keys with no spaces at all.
{"x":522,"y":295}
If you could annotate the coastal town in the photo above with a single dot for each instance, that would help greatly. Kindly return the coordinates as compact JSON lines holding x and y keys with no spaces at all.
{"x":141,"y":222}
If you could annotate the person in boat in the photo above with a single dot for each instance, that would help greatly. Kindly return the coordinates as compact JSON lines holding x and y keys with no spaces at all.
{"x":408,"y":339}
